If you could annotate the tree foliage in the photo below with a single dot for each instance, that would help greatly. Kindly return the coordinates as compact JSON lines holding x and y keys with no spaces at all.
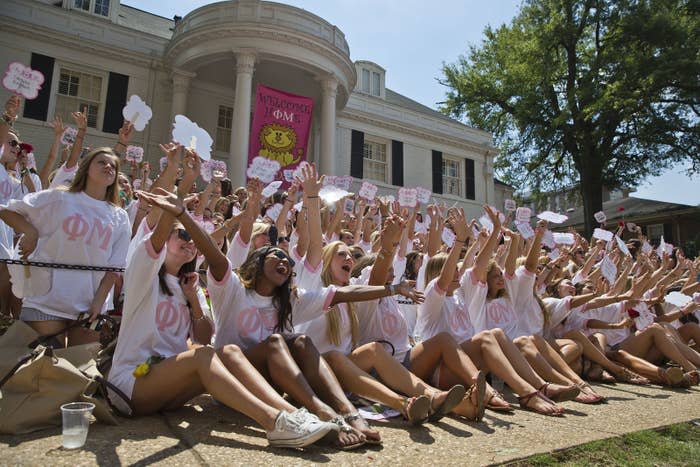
{"x":589,"y":92}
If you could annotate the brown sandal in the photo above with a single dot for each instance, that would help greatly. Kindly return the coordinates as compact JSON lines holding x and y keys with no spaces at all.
{"x":567,"y":395}
{"x":454,"y":397}
{"x":499,"y":408}
{"x":525,"y":400}
{"x":416,"y":409}
{"x":479,"y":388}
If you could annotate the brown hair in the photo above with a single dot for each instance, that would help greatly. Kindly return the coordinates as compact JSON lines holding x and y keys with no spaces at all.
{"x":80,"y":180}
{"x":434,"y":267}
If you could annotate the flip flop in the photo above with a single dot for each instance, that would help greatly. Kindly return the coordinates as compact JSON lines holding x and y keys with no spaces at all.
{"x":416,"y":409}
{"x":499,"y":408}
{"x":524,"y":400}
{"x":567,"y":395}
{"x":454,"y":397}
{"x":343,"y":427}
{"x":351,"y":417}
{"x":480,"y":388}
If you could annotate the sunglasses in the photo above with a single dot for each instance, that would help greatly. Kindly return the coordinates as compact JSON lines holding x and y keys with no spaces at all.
{"x":183,"y":235}
{"x":279,"y":254}
{"x":13,"y":143}
{"x":282,"y":239}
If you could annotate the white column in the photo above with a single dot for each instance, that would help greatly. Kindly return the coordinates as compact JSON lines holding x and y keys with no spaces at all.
{"x":489,"y":185}
{"x":240,"y":133}
{"x":181,"y":85}
{"x":329,"y":90}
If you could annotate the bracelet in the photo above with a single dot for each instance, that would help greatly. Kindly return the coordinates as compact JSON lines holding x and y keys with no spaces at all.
{"x":197,"y":319}
{"x":312,"y":197}
{"x":392,"y":289}
{"x":460,"y":241}
{"x":120,"y":143}
{"x":9,"y":119}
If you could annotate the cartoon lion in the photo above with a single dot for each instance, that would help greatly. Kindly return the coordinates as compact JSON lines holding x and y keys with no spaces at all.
{"x":278,"y":142}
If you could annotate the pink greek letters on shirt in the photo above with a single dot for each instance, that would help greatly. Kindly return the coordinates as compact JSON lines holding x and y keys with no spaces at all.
{"x":390,"y":323}
{"x":459,"y":320}
{"x":76,"y":227}
{"x":248,"y":322}
{"x":6,"y":189}
{"x":269,"y":319}
{"x":497,"y":312}
{"x":168,"y":314}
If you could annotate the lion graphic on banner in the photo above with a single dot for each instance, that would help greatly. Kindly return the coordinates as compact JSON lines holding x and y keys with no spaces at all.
{"x":278,"y":142}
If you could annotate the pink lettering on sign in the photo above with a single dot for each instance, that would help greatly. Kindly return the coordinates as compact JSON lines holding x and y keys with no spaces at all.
{"x":75,"y":226}
{"x":248,"y":322}
{"x":103,"y":231}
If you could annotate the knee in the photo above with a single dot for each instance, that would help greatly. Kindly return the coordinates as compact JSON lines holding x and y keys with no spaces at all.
{"x":275,"y":341}
{"x":576,"y":348}
{"x":303,"y":344}
{"x":333,"y":357}
{"x":484,"y":337}
{"x":204,"y":355}
{"x":376,"y":349}
{"x":445,"y":340}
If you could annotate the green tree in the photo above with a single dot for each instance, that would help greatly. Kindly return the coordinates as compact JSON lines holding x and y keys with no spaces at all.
{"x":589,"y":92}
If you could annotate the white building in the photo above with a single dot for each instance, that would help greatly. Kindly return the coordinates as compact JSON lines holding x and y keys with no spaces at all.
{"x":206,"y":65}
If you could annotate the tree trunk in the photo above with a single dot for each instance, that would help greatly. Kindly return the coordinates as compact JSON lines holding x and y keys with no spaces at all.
{"x":592,"y":194}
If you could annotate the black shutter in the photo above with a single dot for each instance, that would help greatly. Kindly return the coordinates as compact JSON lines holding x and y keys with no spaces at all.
{"x":470,"y":181}
{"x":668,"y":233}
{"x":437,"y":172}
{"x":397,"y":163}
{"x":357,"y":150}
{"x":38,"y":108}
{"x":116,"y":100}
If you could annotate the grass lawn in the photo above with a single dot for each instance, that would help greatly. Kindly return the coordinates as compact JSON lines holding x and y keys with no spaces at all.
{"x":674,"y":445}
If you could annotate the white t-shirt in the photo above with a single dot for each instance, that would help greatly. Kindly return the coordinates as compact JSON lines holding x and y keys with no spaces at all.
{"x":317,"y":330}
{"x":612,"y":314}
{"x":440,"y":313}
{"x":487,"y":314}
{"x":559,"y":309}
{"x":245,"y":318}
{"x":521,"y":289}
{"x":237,"y":251}
{"x":153,"y":323}
{"x":10,"y":188}
{"x":74,"y":229}
{"x":63,"y":176}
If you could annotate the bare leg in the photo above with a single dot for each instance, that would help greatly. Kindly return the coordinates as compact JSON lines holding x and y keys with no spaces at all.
{"x":682,"y":345}
{"x":272,"y":358}
{"x":690,"y":331}
{"x":647,"y":369}
{"x":594,"y":354}
{"x":655,"y":336}
{"x":541,"y":365}
{"x":175,"y":380}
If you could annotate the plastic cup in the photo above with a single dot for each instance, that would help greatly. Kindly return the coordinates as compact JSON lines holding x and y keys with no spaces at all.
{"x":76,"y":421}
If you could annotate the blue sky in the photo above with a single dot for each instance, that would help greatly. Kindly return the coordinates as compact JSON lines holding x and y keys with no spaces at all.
{"x":411,"y":39}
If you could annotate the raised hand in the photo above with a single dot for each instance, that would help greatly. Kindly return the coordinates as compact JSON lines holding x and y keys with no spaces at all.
{"x":163,"y":199}
{"x":309,"y":180}
{"x":58,"y":127}
{"x":172,"y":153}
{"x":406,"y":288}
{"x":391,"y":233}
{"x":493,"y":216}
{"x":190,"y":284}
{"x":126,"y":132}
{"x":192,"y":165}
{"x":80,"y":119}
{"x":459,"y":225}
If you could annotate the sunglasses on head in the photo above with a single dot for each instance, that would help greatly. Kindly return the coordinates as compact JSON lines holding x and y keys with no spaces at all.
{"x":279,"y":254}
{"x":183,"y":235}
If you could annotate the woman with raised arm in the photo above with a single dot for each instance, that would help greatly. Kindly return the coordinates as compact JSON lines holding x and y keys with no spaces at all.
{"x":444,"y":312}
{"x":153,"y":365}
{"x":80,"y":225}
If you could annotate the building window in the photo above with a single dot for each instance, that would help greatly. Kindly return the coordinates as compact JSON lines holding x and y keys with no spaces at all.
{"x":99,"y":7}
{"x":365,"y":80}
{"x":375,"y":166}
{"x":654,"y":233}
{"x":452,"y":176}
{"x":376,"y":84}
{"x":78,"y":91}
{"x":223,"y":128}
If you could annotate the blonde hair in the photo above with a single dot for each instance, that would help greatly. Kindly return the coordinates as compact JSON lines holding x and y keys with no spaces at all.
{"x":333,"y":315}
{"x":81,"y":176}
{"x":434,"y":267}
{"x":493,"y":264}
{"x":259,"y":228}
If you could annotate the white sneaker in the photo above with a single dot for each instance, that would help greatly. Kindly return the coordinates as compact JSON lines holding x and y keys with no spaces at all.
{"x":297,"y":429}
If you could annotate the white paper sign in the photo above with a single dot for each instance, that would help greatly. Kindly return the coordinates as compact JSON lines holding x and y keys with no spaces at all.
{"x":645,"y":318}
{"x":408,"y":197}
{"x":205,"y":171}
{"x":486,"y":223}
{"x":523,"y":214}
{"x":344,"y":183}
{"x":448,"y":237}
{"x":621,"y":245}
{"x":525,"y":229}
{"x":134,"y":153}
{"x":219,"y":170}
{"x":329,"y":180}
{"x":678,"y":299}
{"x":423,"y":195}
{"x":600,"y":217}
{"x":647,"y":248}
{"x":632,"y":227}
{"x":552,"y":217}
{"x":263,"y":168}
{"x":68,"y":136}
{"x":271,"y":189}
{"x":331,"y":194}
{"x":191,"y":135}
{"x":163,"y":163}
{"x":137,"y":112}
{"x":288,"y":175}
{"x":235,"y":211}
{"x":22,"y":80}
{"x":274,"y":211}
{"x":348,"y":206}
{"x":31,"y":161}
{"x":664,"y":248}
{"x":602,"y":234}
{"x":548,"y":239}
{"x":368,"y":191}
{"x":387,"y":199}
{"x":554,"y":254}
{"x":420,"y":228}
{"x":564,"y":238}
{"x":608,"y":269}
{"x":510,"y":205}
